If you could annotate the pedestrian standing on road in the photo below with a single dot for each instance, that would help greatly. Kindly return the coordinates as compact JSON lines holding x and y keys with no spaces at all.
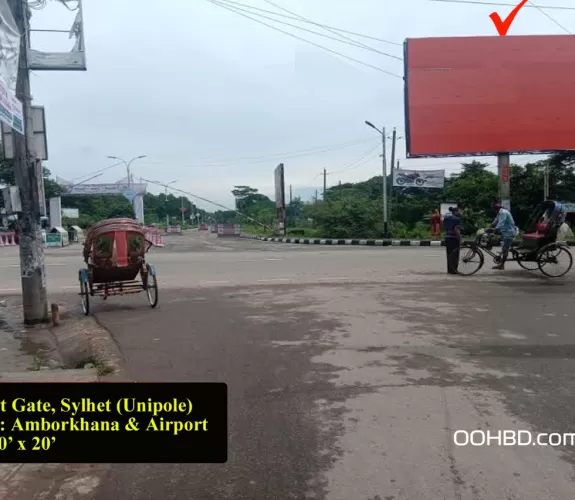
{"x":452,"y":226}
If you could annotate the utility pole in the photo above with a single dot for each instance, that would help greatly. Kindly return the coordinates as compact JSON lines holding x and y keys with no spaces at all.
{"x":546,"y":183}
{"x":32,"y":268}
{"x":393,"y":141}
{"x":384,"y":186}
{"x":324,"y":182}
{"x":182,"y":210}
{"x":289,"y":214}
{"x":316,"y":195}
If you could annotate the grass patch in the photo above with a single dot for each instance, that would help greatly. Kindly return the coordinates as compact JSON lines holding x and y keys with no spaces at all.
{"x":102,"y":368}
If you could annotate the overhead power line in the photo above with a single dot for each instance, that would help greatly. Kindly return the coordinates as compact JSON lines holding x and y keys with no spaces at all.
{"x":552,"y":19}
{"x":341,"y":38}
{"x":477,"y":2}
{"x":223,"y":6}
{"x":309,"y":21}
{"x":360,"y":160}
{"x":276,"y":156}
{"x":529,"y":4}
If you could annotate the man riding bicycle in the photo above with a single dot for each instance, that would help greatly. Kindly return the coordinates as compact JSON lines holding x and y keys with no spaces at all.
{"x":504,"y":225}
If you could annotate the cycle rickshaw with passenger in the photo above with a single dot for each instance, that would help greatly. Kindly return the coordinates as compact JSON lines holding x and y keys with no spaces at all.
{"x":538,"y":248}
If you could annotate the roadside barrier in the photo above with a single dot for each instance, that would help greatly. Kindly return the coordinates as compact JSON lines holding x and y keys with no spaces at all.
{"x":214,"y":228}
{"x":155,"y":236}
{"x":174,"y":229}
{"x":229,"y":230}
{"x":202,"y":227}
{"x":8,"y":240}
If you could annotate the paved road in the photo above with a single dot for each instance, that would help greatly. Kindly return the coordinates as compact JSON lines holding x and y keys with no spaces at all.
{"x":349,"y":371}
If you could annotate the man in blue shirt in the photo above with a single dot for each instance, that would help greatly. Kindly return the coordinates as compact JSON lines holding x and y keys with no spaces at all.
{"x":505,"y":226}
{"x":452,"y":226}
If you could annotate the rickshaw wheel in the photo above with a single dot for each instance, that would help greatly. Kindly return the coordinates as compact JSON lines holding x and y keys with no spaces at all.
{"x":85,"y":295}
{"x":151,"y":287}
{"x":528,"y":265}
{"x":549,"y":256}
{"x":472,"y":256}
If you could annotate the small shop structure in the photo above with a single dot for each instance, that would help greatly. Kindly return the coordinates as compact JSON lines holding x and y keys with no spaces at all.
{"x":76,"y":234}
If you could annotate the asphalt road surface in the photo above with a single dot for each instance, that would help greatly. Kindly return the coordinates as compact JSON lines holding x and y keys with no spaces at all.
{"x":349,"y":370}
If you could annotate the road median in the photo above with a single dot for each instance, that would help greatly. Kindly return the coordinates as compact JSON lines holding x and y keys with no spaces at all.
{"x":359,"y":242}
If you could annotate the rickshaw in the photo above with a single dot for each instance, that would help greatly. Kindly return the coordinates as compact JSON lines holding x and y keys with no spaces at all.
{"x":114,"y":253}
{"x":538,"y":249}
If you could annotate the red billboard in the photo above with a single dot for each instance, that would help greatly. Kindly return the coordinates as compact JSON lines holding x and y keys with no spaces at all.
{"x":479,"y":96}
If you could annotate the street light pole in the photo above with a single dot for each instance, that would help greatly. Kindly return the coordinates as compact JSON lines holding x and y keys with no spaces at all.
{"x":384,"y":182}
{"x":166,"y":203}
{"x":128,"y":163}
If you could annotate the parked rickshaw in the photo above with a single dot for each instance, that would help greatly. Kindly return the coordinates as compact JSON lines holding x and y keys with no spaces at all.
{"x":114,"y":252}
{"x":538,"y":249}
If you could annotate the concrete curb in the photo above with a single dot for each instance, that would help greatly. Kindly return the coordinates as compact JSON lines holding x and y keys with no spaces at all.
{"x":355,"y":242}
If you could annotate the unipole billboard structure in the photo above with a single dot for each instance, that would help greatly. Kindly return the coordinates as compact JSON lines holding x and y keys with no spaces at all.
{"x":484,"y":96}
{"x":280,"y":199}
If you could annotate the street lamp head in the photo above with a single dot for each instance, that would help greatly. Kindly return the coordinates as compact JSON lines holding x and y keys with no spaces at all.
{"x":140,"y":157}
{"x":369,"y":124}
{"x":113,"y":157}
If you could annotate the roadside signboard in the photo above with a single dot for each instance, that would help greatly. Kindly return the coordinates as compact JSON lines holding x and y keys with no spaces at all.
{"x":53,"y":240}
{"x":70,"y":213}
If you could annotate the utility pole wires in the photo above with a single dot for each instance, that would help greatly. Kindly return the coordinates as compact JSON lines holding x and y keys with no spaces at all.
{"x":28,"y":177}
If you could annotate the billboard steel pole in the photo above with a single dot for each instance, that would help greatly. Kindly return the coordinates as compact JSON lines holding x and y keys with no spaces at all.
{"x":504,"y":171}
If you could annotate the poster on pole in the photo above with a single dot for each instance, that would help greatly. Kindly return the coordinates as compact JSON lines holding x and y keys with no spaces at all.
{"x":418,"y":178}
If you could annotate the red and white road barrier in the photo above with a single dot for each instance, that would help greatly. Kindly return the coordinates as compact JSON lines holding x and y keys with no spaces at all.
{"x":214,"y":228}
{"x":229,"y":230}
{"x":174,"y":229}
{"x":155,"y":236}
{"x":8,"y":240}
{"x":202,"y":227}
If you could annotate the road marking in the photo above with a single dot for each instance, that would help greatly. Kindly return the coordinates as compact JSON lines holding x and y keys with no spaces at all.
{"x":9,"y":289}
{"x":334,"y":279}
{"x":213,"y":282}
{"x":274,"y":279}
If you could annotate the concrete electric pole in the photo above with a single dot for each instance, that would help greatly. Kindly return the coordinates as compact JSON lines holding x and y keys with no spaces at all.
{"x":386,"y":234}
{"x":324,"y":182}
{"x":32,"y":269}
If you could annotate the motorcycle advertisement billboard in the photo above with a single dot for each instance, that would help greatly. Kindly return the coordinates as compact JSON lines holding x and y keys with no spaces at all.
{"x":418,"y":178}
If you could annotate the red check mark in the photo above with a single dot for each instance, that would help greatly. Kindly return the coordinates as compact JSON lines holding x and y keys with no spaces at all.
{"x":503,"y":26}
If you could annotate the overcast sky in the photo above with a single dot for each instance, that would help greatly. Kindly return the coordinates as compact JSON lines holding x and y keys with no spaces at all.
{"x":215,"y":100}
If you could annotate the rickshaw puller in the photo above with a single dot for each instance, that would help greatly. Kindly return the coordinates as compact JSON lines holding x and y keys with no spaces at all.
{"x":505,"y":226}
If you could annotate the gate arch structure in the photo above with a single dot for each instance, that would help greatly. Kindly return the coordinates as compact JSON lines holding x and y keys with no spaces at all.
{"x":133,"y":192}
